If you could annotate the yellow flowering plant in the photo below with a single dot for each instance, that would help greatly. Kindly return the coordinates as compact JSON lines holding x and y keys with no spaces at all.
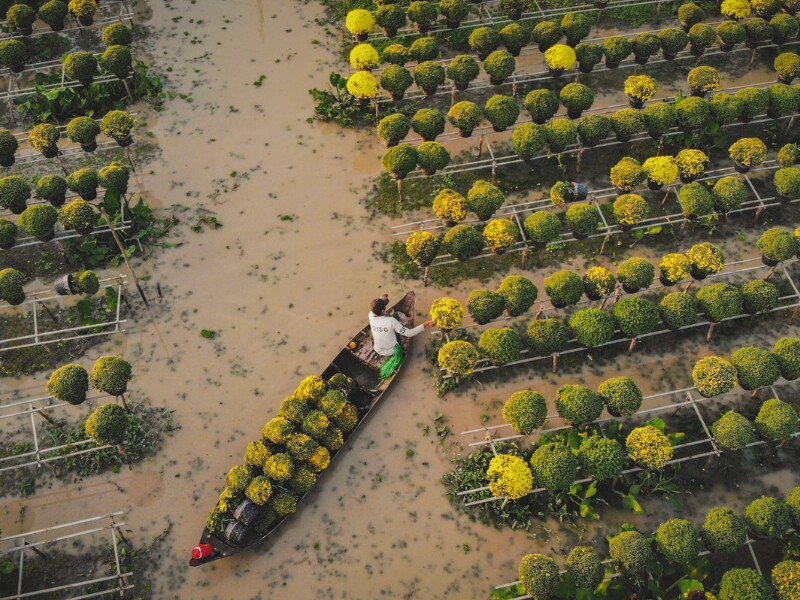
{"x":640,"y":87}
{"x":500,"y":235}
{"x":706,"y":258}
{"x":713,"y":376}
{"x":786,"y":579}
{"x":736,"y":9}
{"x":458,"y":357}
{"x":362,"y":85}
{"x":692,"y":163}
{"x":359,"y":21}
{"x":630,"y":209}
{"x":509,"y":477}
{"x":116,"y":124}
{"x":649,"y":447}
{"x":364,"y":57}
{"x":748,"y":152}
{"x":560,"y":57}
{"x":44,"y":137}
{"x":675,"y":267}
{"x":450,"y":206}
{"x":661,"y":169}
{"x":627,"y":174}
{"x":319,"y":459}
{"x":447,"y":313}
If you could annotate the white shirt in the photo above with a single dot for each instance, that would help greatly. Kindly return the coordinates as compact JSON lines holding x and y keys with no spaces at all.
{"x":383,"y":333}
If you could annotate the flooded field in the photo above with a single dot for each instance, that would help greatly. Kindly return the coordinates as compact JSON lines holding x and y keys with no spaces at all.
{"x":282,"y":283}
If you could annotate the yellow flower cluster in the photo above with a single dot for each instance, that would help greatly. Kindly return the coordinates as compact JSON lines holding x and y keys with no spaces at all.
{"x":43,"y":137}
{"x":117,"y":124}
{"x":627,"y":174}
{"x":259,"y":490}
{"x":359,"y":21}
{"x":501,"y":234}
{"x":560,"y":57}
{"x":706,"y":257}
{"x":364,"y":57}
{"x":447,"y":313}
{"x":640,"y":87}
{"x":228,"y":501}
{"x":279,"y":467}
{"x":675,"y":267}
{"x":692,"y":163}
{"x":749,"y":152}
{"x":736,"y":9}
{"x":450,"y":206}
{"x":649,"y":447}
{"x":362,"y":85}
{"x":786,"y":579}
{"x":661,"y":169}
{"x":311,"y":389}
{"x":509,"y":477}
{"x":82,"y":8}
{"x":320,"y":459}
{"x":458,"y":357}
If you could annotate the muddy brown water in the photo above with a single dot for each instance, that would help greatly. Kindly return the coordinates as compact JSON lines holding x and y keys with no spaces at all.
{"x":285,"y":280}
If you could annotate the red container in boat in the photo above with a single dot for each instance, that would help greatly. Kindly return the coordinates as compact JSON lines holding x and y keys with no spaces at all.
{"x":202,"y":551}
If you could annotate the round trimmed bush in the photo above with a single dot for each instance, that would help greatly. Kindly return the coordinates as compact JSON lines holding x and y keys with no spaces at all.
{"x":789,"y":154}
{"x":626,"y":175}
{"x":640,"y":87}
{"x":723,"y":531}
{"x":38,"y":220}
{"x":627,"y":123}
{"x":301,"y":446}
{"x":294,"y":409}
{"x":705,"y":259}
{"x":447,"y":313}
{"x":646,"y":45}
{"x":594,"y":128}
{"x":546,"y":34}
{"x":515,"y":36}
{"x":598,"y":282}
{"x":585,"y":567}
{"x":676,"y":541}
{"x":725,"y":109}
{"x":703,"y":79}
{"x":564,"y":288}
{"x":720,"y":301}
{"x":757,"y":31}
{"x":422,"y":247}
{"x":631,"y":551}
{"x":485,"y":306}
{"x":484,"y":199}
{"x":428,"y":76}
{"x":787,"y":183}
{"x":83,"y":182}
{"x":616,"y":48}
{"x":765,"y":8}
{"x":659,"y":118}
{"x":755,"y":368}
{"x":635,"y":274}
{"x":465,"y":116}
{"x":501,"y":235}
{"x":693,"y":113}
{"x":542,"y":227}
{"x":733,"y":431}
{"x":738,"y":584}
{"x":86,"y":283}
{"x":554,"y":466}
{"x":592,"y":327}
{"x":463,"y":242}
{"x":256,"y":454}
{"x":428,"y":123}
{"x":768,"y":517}
{"x":787,"y":65}
{"x":786,"y":580}
{"x":588,"y":54}
{"x":636,"y":316}
{"x":525,"y":411}
{"x":547,"y":336}
{"x":107,"y":424}
{"x":621,"y":395}
{"x":454,"y":11}
{"x":81,"y":66}
{"x":560,"y":133}
{"x":8,"y":234}
{"x":649,"y":447}
{"x":499,"y":65}
{"x":519,"y":293}
{"x":509,"y":477}
{"x":561,"y":193}
{"x":259,"y":490}
{"x":777,"y":244}
{"x":755,"y":102}
{"x":787,"y":352}
{"x":69,"y":384}
{"x":695,"y":200}
{"x":582,"y":219}
{"x":539,"y":575}
{"x":759,"y":296}
{"x":117,"y":124}
{"x":463,"y":69}
{"x":783,"y":100}
{"x":793,"y":502}
{"x":14,"y":193}
{"x":458,"y":357}
{"x":500,"y":345}
{"x":13,"y":55}
{"x":672,"y":41}
{"x":115,"y":34}
{"x":119,"y":61}
{"x":691,"y":163}
{"x":528,"y":139}
{"x":690,"y":14}
{"x":729,"y":193}
{"x":111,"y":374}
{"x":576,"y":97}
{"x":748,"y":152}
{"x":114,"y":177}
{"x":432,"y":157}
{"x":424,"y":49}
{"x":391,"y":18}
{"x":730,"y":33}
{"x":400,"y":160}
{"x":601,"y":458}
{"x":78,"y":215}
{"x":422,"y":13}
{"x":678,"y":310}
{"x":576,"y":26}
{"x":776,"y":420}
{"x":277,"y":430}
{"x":483,"y":40}
{"x":396,"y":80}
{"x":54,"y":12}
{"x":11,"y":282}
{"x":283,"y":503}
{"x":541,"y":104}
{"x":502,"y":111}
{"x":784,"y":27}
{"x":8,"y":146}
{"x":577,"y":404}
{"x":713,"y":376}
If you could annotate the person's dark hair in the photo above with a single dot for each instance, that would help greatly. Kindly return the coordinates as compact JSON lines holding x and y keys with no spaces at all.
{"x":378,"y":306}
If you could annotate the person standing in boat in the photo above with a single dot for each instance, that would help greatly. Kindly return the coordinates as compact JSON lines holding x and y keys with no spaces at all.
{"x":384,"y":329}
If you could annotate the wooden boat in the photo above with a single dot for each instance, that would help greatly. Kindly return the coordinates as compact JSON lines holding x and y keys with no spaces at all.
{"x":362,"y":364}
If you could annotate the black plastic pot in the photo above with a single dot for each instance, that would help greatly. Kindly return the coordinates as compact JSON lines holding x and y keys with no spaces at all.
{"x":585,"y":68}
{"x":698,"y":275}
{"x":423,"y":27}
{"x":63,"y":285}
{"x":85,"y":230}
{"x":89,"y":195}
{"x":593,"y":296}
{"x":740,"y":168}
{"x":90,"y":147}
{"x":685,"y":179}
{"x":362,"y":37}
{"x":247,"y":512}
{"x":769,"y":262}
{"x":635,"y":102}
{"x":612,"y":64}
{"x":390,"y":33}
{"x":668,"y":55}
{"x":726,"y":47}
{"x":496,"y":81}
{"x":26,"y":30}
{"x":697,"y":50}
{"x":465,"y":132}
{"x":654,"y":185}
{"x":461,"y":86}
{"x":17,"y":68}
{"x":7,"y":161}
{"x":666,"y":282}
{"x":574,"y":114}
{"x":699,"y":93}
{"x":629,"y":290}
{"x":86,"y":21}
{"x":580,"y":191}
{"x":556,"y":72}
{"x":580,"y":236}
{"x":557,"y":304}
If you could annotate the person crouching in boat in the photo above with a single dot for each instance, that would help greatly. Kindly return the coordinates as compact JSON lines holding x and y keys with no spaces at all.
{"x":384,"y":341}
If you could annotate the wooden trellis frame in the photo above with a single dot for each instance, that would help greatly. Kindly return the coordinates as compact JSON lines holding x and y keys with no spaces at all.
{"x":14,"y":547}
{"x":39,"y":337}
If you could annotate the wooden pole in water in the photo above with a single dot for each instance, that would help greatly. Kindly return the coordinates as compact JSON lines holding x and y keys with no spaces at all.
{"x":524,"y":256}
{"x":771,"y":271}
{"x":425,"y":276}
{"x":555,"y":362}
{"x":710,"y":331}
{"x":691,"y":283}
{"x":124,"y":402}
{"x":400,"y":191}
{"x":632,"y":346}
{"x":480,"y":147}
{"x":539,"y":312}
{"x":453,"y":96}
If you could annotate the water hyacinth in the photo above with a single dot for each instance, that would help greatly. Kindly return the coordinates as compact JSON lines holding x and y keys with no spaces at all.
{"x":509,"y":477}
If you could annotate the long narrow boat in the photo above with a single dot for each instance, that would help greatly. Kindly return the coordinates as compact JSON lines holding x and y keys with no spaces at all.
{"x":362,"y":364}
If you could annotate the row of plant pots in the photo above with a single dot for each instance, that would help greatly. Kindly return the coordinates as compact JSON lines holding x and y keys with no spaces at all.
{"x":21,"y":16}
{"x":11,"y":285}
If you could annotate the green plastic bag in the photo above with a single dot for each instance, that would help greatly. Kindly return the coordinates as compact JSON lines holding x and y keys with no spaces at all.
{"x":393,"y":363}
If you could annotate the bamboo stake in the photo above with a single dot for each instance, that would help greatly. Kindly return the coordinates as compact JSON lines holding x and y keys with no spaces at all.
{"x":400,"y":191}
{"x":524,"y":257}
{"x":710,"y":331}
{"x":540,"y":312}
{"x":480,"y":147}
{"x":555,"y":362}
{"x":425,"y":276}
{"x":124,"y":255}
{"x":632,"y":346}
{"x":125,"y":403}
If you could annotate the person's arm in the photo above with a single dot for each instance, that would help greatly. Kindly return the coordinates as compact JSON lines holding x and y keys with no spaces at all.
{"x":403,"y":330}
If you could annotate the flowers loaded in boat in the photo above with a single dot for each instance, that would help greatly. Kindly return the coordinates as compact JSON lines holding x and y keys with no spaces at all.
{"x":296,"y":447}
